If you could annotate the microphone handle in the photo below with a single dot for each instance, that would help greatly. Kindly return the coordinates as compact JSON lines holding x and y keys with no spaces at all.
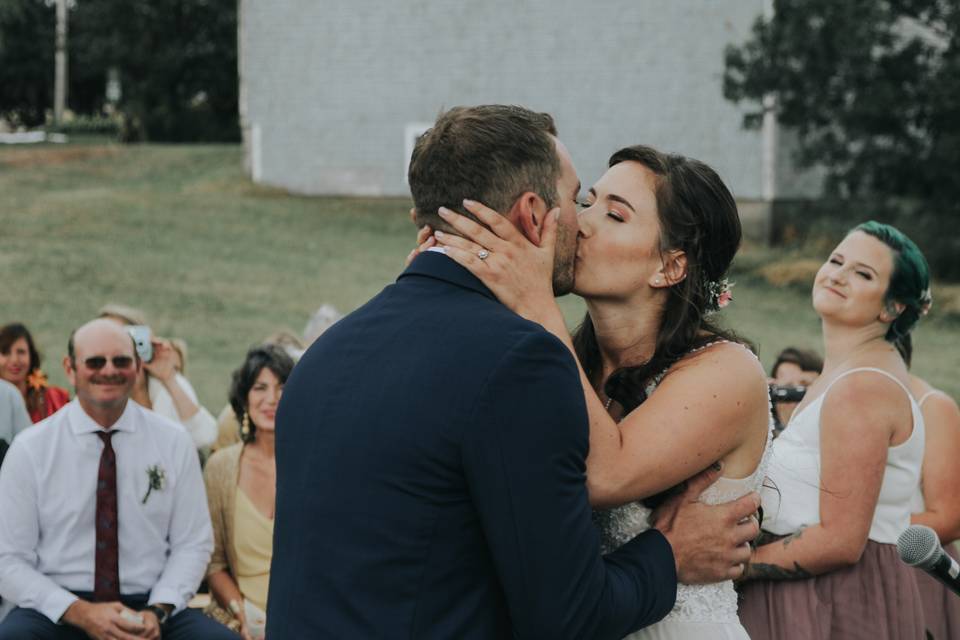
{"x":947,"y":571}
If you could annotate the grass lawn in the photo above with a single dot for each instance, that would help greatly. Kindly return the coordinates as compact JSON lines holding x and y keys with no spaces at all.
{"x":179,"y":232}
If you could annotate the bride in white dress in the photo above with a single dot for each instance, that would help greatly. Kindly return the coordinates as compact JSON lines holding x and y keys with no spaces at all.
{"x":668,"y":392}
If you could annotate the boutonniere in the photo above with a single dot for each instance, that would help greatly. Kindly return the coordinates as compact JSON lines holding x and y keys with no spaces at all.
{"x":157,"y":479}
{"x":37,"y":380}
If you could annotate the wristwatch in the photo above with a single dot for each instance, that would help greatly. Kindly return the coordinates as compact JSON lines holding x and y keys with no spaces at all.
{"x":162,"y":614}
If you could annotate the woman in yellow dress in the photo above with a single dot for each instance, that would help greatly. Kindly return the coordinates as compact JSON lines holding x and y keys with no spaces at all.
{"x":241,"y":485}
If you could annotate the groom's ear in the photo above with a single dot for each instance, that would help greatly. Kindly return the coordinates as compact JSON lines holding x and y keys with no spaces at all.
{"x":527,"y":214}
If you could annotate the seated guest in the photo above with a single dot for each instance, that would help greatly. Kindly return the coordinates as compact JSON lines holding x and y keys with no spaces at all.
{"x":20,"y":366}
{"x":793,"y":368}
{"x":228,"y":428}
{"x":161,"y":387}
{"x":241,"y":487}
{"x":935,"y":503}
{"x":13,"y":415}
{"x":104,"y":529}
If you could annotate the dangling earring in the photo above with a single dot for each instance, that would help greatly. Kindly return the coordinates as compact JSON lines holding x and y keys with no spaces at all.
{"x":245,"y":426}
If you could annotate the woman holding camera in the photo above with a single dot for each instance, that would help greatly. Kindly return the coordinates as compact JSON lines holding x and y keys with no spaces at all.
{"x":241,"y":490}
{"x":20,"y":366}
{"x":160,"y":387}
{"x":843,"y":474}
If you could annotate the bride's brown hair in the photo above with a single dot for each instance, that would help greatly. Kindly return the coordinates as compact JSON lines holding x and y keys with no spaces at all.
{"x":697,"y":215}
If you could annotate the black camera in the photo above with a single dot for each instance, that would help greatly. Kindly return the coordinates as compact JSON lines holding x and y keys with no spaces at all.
{"x":783,"y":393}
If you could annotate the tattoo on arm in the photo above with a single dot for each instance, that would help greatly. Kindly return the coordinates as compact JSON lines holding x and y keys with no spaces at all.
{"x":761,"y":571}
{"x":790,"y":538}
{"x":766,"y":537}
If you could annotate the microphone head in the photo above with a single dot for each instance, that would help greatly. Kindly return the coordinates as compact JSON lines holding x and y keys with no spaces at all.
{"x":919,"y":546}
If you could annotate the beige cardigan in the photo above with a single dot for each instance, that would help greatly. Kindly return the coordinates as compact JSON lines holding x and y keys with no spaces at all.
{"x":221,"y":475}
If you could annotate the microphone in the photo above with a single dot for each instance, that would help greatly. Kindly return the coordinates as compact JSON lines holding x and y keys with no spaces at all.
{"x":920,"y":547}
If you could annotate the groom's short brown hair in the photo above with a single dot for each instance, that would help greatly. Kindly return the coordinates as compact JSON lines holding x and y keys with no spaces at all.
{"x":488,"y":153}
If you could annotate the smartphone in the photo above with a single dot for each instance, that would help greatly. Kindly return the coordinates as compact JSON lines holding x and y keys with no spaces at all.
{"x":141,"y":339}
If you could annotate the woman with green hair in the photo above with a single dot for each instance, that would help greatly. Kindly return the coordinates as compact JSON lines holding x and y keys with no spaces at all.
{"x":844,"y":473}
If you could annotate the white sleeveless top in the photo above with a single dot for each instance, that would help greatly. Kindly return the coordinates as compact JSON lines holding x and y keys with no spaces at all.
{"x":792,"y":501}
{"x":918,"y":504}
{"x":704,"y":603}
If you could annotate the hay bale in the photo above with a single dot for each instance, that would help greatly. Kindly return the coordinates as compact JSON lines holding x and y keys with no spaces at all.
{"x":792,"y":272}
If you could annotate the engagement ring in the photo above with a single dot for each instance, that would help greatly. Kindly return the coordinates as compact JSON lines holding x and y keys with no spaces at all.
{"x":483,"y":254}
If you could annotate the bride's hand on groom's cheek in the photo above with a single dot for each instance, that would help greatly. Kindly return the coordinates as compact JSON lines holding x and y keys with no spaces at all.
{"x":518,"y":271}
{"x":710,"y":542}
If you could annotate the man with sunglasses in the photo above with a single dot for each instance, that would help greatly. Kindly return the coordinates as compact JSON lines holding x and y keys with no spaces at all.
{"x":104,"y":527}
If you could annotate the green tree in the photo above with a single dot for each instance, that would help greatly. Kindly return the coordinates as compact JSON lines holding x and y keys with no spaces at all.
{"x":26,"y":60}
{"x":177,"y":64}
{"x":872,"y":88}
{"x":176,"y":60}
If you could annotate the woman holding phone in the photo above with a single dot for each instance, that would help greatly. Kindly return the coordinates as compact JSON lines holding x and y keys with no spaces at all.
{"x":160,"y":386}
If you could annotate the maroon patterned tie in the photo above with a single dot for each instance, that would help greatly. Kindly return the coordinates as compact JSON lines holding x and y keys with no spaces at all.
{"x":106,"y":585}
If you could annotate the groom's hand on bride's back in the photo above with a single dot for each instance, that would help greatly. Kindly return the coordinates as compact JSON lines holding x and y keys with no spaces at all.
{"x":710,"y":543}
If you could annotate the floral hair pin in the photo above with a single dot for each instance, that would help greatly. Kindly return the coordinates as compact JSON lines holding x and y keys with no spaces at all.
{"x":719,"y":294}
{"x":926,"y":302}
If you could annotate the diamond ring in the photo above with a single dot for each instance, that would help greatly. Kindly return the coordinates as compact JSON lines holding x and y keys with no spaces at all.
{"x":483,"y":254}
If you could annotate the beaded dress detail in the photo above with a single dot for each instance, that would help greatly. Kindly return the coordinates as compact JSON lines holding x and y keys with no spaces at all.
{"x":695,"y":603}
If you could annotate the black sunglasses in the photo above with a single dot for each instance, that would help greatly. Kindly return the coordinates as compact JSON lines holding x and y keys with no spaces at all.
{"x":99,"y":362}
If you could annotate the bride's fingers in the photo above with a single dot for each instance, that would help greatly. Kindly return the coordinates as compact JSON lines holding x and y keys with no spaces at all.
{"x":448,"y":240}
{"x":470,"y":229}
{"x":548,"y":236}
{"x":424,"y":233}
{"x":500,"y":226}
{"x":422,"y":245}
{"x":466,"y":259}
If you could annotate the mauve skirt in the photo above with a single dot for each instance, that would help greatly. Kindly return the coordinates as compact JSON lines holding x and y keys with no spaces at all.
{"x":875,"y":599}
{"x":941,"y":606}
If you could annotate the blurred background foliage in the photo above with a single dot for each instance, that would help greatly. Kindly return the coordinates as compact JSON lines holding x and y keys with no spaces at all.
{"x":872,"y":89}
{"x":175,"y":62}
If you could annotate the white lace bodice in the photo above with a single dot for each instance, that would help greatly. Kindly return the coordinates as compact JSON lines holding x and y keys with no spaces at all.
{"x":696,"y":603}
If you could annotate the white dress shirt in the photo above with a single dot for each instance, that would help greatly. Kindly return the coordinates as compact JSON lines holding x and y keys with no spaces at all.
{"x":201,"y":426}
{"x":48,"y":501}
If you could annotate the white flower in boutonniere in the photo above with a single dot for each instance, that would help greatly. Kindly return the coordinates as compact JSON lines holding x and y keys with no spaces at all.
{"x":157,"y":479}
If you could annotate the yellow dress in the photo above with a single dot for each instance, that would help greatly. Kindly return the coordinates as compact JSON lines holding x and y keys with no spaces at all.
{"x":253,"y":541}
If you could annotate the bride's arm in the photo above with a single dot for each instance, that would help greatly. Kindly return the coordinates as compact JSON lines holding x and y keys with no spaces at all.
{"x":702,"y":411}
{"x":856,"y":424}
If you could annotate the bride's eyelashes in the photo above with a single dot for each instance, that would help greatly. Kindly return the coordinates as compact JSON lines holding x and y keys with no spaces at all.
{"x":616,"y":216}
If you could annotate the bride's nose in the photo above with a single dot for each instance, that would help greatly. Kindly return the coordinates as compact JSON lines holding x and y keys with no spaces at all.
{"x":583,"y":224}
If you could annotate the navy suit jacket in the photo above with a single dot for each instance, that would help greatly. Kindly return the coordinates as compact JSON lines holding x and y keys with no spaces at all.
{"x":431,"y":481}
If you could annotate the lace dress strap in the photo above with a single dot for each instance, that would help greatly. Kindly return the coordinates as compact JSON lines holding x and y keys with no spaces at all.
{"x":657,"y":379}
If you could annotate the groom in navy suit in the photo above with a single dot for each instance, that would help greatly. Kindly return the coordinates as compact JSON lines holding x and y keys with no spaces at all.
{"x":431,"y":446}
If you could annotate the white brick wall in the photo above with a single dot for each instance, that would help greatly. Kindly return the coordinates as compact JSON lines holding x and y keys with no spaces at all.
{"x":332,"y":86}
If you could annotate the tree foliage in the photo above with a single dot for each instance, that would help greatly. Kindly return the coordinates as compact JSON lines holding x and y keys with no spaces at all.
{"x":872,"y":88}
{"x":176,"y":61}
{"x":26,"y":60}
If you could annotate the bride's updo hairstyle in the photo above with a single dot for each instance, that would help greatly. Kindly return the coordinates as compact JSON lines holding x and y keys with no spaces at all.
{"x":909,"y":282}
{"x":697,"y":215}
